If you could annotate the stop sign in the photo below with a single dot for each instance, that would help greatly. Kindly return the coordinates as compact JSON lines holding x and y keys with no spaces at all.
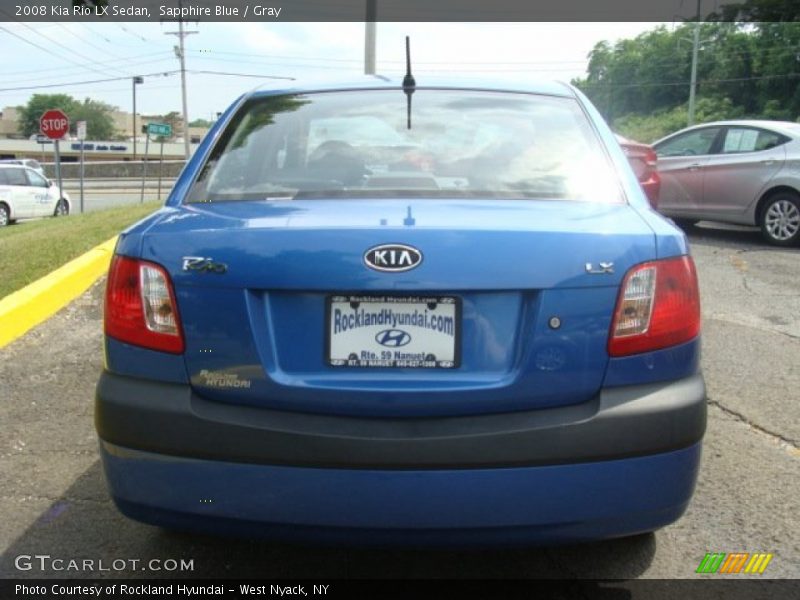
{"x":54,"y":124}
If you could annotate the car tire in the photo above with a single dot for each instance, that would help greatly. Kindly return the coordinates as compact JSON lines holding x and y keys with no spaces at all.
{"x":780,"y":219}
{"x":62,"y":209}
{"x":4,"y":214}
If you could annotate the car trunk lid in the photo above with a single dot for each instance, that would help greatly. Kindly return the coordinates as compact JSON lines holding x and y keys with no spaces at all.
{"x":534,"y":282}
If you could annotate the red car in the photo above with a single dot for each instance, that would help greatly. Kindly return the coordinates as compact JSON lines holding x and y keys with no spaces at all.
{"x":643,"y":160}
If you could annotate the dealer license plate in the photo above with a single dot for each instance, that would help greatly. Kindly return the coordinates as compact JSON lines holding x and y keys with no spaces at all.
{"x":419,"y":332}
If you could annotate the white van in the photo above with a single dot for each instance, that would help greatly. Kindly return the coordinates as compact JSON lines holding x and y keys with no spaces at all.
{"x":26,"y":193}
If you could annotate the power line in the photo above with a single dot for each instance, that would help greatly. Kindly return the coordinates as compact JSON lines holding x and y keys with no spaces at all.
{"x":30,"y":42}
{"x":277,"y":64}
{"x":278,"y":77}
{"x":127,"y":89}
{"x":54,"y":42}
{"x":359,"y":61}
{"x":128,"y":31}
{"x":683,"y":83}
{"x":770,"y":54}
{"x":87,"y":42}
{"x":83,"y":65}
{"x":461,"y":66}
{"x":721,"y":54}
{"x":355,"y":66}
{"x":73,"y":83}
{"x":160,"y":73}
{"x":50,"y":77}
{"x":180,"y":50}
{"x":157,"y":74}
{"x":259,"y":76}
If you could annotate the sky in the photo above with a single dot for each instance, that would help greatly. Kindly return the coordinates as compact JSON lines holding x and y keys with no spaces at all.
{"x":237,"y":56}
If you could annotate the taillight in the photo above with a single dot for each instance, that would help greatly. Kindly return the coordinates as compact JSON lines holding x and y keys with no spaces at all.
{"x":651,"y":158}
{"x":140,"y":306}
{"x":658,"y":307}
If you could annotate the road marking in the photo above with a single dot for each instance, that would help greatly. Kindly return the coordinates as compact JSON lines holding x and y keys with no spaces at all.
{"x":37,"y":302}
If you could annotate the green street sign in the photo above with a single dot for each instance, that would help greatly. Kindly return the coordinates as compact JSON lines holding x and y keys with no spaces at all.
{"x":162,"y":129}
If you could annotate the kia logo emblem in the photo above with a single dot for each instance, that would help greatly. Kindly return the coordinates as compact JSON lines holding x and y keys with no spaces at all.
{"x":392,"y":258}
{"x":393,"y":338}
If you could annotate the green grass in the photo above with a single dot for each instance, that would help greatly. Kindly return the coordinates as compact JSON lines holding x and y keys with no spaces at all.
{"x":32,"y":249}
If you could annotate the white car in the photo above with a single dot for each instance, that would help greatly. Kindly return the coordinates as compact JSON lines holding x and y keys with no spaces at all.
{"x":25,"y":193}
{"x":25,"y":162}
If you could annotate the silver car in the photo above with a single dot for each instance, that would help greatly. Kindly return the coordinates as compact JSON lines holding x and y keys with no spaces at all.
{"x":743,"y":172}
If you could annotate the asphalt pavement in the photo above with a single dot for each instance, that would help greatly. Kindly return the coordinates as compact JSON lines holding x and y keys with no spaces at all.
{"x":99,"y":194}
{"x":748,"y":495}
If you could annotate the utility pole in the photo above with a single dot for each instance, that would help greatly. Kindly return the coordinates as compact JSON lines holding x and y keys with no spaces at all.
{"x":181,"y":54}
{"x":135,"y":81}
{"x":695,"y":48}
{"x":369,"y":38}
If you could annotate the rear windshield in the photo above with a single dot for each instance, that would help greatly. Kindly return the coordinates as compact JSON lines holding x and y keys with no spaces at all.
{"x":371,"y":144}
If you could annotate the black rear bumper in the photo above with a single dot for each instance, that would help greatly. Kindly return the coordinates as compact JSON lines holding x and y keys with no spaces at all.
{"x":618,"y":423}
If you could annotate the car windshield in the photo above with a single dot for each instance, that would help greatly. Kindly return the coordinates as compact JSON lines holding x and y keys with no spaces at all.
{"x":365,"y":144}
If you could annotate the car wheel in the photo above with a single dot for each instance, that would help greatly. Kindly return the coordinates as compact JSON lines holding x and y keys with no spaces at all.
{"x":62,"y":209}
{"x":4,"y":220}
{"x":780,"y":219}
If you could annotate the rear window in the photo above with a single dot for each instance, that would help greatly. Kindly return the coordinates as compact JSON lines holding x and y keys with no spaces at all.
{"x":460,"y":144}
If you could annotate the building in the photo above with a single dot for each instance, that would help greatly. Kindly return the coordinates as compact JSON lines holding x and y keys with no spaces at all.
{"x":123,"y":126}
{"x":9,"y":119}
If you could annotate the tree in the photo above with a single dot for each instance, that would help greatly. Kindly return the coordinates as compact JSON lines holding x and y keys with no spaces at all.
{"x":649,"y":128}
{"x":99,"y":123}
{"x":37,"y":105}
{"x":761,"y":11}
{"x":630,"y":75}
{"x":200,"y":123}
{"x":743,"y":69}
{"x":175,"y":119}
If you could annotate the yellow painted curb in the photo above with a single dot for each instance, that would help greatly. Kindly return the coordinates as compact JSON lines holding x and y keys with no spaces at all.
{"x":37,"y":302}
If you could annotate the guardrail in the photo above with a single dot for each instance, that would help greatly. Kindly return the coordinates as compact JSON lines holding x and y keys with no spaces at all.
{"x":116,"y":169}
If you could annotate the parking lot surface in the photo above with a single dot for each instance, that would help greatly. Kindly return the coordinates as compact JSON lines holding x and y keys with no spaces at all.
{"x":747,"y":500}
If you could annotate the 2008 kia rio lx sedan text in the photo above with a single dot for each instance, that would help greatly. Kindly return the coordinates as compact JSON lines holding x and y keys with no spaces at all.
{"x":435,"y":313}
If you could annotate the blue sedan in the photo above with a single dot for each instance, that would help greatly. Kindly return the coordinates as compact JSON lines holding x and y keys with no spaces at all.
{"x":386,"y":313}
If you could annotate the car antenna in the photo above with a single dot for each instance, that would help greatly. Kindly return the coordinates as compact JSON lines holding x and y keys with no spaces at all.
{"x":408,"y":81}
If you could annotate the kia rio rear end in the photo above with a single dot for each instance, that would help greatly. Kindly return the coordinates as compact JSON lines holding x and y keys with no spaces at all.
{"x":441,"y":314}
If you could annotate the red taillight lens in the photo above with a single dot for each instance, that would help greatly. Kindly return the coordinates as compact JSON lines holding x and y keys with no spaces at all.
{"x":658,"y":306}
{"x":140,"y":306}
{"x":651,"y":158}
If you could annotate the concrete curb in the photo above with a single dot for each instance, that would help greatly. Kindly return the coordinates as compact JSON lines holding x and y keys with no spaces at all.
{"x":37,"y":302}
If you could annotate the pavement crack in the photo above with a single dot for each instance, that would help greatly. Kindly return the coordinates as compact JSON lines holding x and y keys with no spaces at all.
{"x":746,"y":285}
{"x":789,"y":335}
{"x":787,"y":444}
{"x":733,"y":320}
